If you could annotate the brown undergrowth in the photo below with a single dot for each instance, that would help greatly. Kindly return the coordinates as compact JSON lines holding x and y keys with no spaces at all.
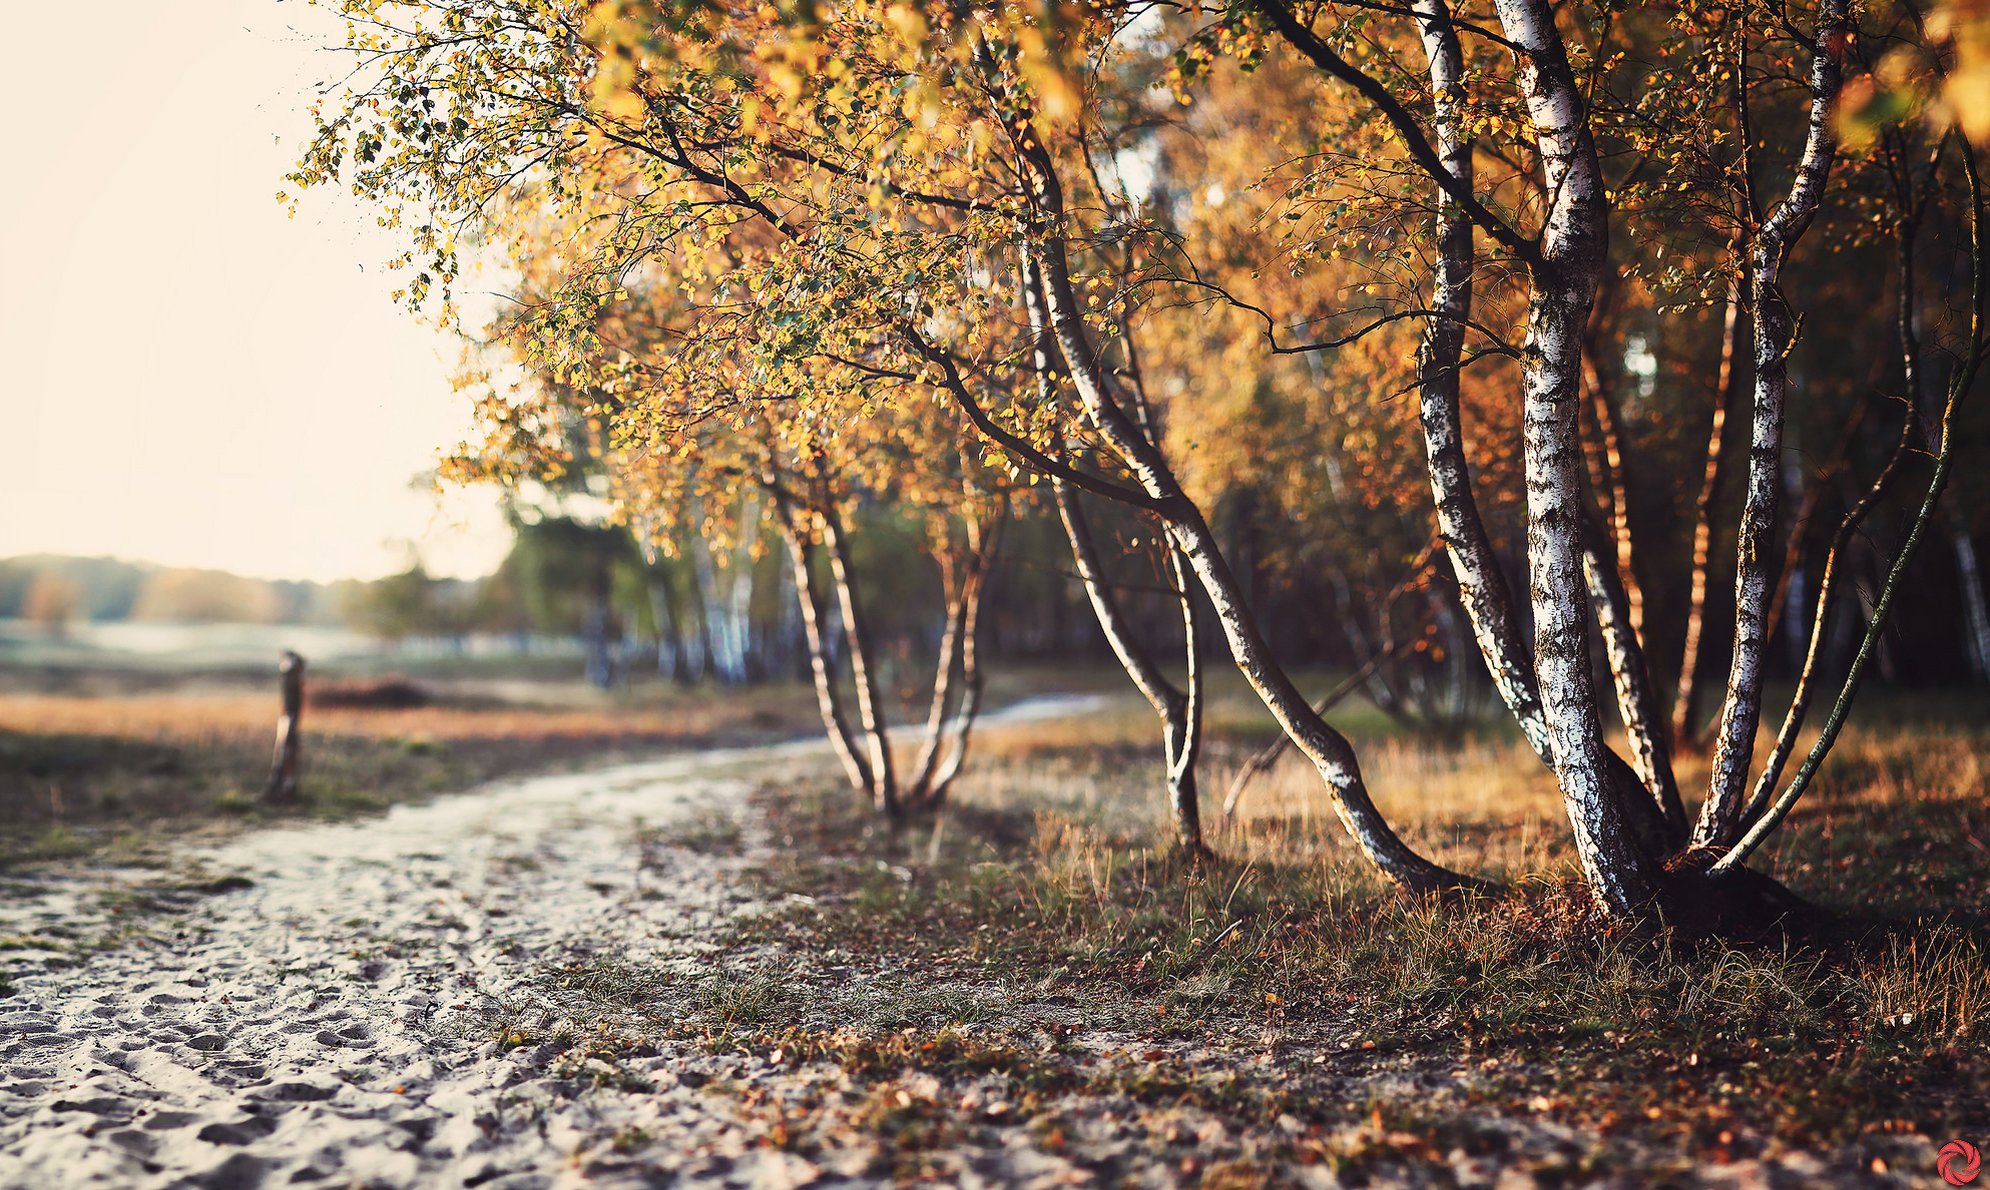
{"x":1282,"y":995}
{"x":111,"y":773}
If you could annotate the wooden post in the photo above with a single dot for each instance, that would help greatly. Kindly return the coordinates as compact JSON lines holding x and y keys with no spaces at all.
{"x":282,"y":785}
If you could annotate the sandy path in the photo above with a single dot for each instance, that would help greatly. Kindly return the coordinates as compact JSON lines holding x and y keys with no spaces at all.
{"x":334,"y":1022}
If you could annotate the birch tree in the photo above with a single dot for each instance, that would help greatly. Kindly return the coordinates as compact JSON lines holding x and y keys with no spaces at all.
{"x":846,"y":193}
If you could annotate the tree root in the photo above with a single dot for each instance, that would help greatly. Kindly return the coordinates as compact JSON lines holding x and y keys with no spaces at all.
{"x":1740,"y":906}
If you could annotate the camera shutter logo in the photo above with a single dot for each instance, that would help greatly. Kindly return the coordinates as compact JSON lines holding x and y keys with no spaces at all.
{"x":1957,"y":1162}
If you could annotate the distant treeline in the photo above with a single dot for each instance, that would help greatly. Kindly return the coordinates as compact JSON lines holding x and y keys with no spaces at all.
{"x":688,"y":610}
{"x":56,"y":590}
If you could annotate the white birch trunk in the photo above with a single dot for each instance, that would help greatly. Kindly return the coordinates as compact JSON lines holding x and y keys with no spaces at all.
{"x":1329,"y":751}
{"x":1734,"y":740}
{"x":856,"y":636}
{"x":1573,"y":241}
{"x":829,"y":700}
{"x":1482,"y":589}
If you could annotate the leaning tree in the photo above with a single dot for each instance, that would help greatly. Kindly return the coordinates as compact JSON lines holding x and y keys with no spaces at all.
{"x":898,"y":192}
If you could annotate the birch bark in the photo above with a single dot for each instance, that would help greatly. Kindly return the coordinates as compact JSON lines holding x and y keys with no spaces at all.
{"x":857,"y":640}
{"x":1741,"y":711}
{"x":829,"y":699}
{"x":1572,"y":245}
{"x":1481,"y":587}
{"x":1330,"y":752}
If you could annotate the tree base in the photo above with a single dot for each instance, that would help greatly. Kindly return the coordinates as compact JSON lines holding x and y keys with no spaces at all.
{"x":1739,"y":906}
{"x":1190,"y":858}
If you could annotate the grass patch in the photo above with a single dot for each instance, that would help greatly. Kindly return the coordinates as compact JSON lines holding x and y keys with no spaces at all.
{"x":1284,"y":981}
{"x":82,"y":772}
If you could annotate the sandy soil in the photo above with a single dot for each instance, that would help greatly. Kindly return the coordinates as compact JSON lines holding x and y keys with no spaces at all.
{"x":334,"y":1006}
{"x":331,"y":1023}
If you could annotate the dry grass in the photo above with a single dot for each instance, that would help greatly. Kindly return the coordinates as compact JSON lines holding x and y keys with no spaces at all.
{"x":80,"y":773}
{"x":1048,"y":882}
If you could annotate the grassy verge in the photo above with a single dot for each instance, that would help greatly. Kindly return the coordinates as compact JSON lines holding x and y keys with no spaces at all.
{"x":112,"y":774}
{"x":1031,"y":970}
{"x":105,"y":763}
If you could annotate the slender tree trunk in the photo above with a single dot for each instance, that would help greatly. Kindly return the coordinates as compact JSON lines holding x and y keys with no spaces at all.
{"x":856,"y":636}
{"x":1045,"y":264}
{"x":1185,"y":741}
{"x":953,"y":584}
{"x":1482,"y":588}
{"x":1572,"y":244}
{"x":1176,"y":710}
{"x":1827,"y":594}
{"x":1180,"y":710}
{"x":1619,"y":605}
{"x":1734,"y":741}
{"x":1975,"y":615}
{"x":713,"y":608}
{"x":1944,"y":442}
{"x":1786,"y":602}
{"x":961,"y":727}
{"x":829,"y":698}
{"x":792,"y":643}
{"x":739,"y":594}
{"x":1685,"y":703}
{"x":1329,"y":751}
{"x":289,"y":753}
{"x":951,"y":711}
{"x":1848,"y":527}
{"x":692,"y":636}
{"x":1637,"y":702}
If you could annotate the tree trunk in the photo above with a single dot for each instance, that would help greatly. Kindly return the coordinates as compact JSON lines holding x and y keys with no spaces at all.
{"x":1848,"y":528}
{"x":1572,"y":246}
{"x":1185,"y":743}
{"x":1975,"y":615}
{"x":739,"y":593}
{"x":1178,"y":712}
{"x":1329,"y":751}
{"x":1159,"y":491}
{"x":961,"y":726}
{"x":1827,"y":594}
{"x":1482,"y":587}
{"x":1637,"y":702}
{"x":951,"y":712}
{"x":857,"y":639}
{"x":713,"y":607}
{"x":1944,"y":442}
{"x":953,"y":585}
{"x":1685,"y":703}
{"x":829,"y":698}
{"x":1734,"y":741}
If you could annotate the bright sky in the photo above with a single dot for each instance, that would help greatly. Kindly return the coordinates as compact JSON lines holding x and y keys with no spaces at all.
{"x":187,"y":375}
